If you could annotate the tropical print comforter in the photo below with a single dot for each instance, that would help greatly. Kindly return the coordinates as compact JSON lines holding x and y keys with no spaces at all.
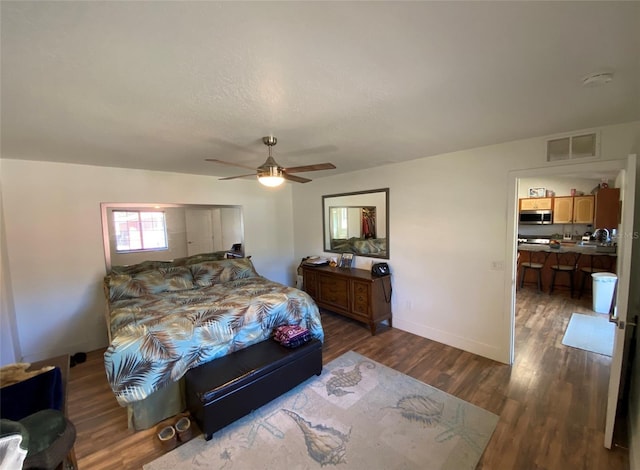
{"x":169,"y":320}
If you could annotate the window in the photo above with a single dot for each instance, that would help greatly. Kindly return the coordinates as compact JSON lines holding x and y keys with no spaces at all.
{"x":339,"y":223}
{"x":140,"y":231}
{"x":572,"y":147}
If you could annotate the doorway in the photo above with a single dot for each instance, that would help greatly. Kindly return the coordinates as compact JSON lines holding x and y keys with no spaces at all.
{"x":611,"y":170}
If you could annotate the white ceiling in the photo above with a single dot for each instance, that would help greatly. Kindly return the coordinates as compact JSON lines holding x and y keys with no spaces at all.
{"x":164,"y":85}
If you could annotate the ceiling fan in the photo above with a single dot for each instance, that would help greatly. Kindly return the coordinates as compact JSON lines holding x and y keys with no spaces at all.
{"x":272,"y":174}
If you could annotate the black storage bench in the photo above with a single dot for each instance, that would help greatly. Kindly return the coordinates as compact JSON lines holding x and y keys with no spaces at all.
{"x":230,"y":387}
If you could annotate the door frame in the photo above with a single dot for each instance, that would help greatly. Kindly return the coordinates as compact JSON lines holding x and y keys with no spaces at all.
{"x":571,"y":169}
{"x":622,"y":303}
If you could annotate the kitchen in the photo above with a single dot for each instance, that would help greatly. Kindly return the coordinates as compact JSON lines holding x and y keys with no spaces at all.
{"x":567,"y":230}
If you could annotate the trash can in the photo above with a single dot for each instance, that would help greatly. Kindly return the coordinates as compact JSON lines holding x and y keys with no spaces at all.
{"x":603,"y":287}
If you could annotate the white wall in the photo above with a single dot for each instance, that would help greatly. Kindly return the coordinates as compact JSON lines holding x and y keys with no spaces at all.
{"x":54,"y":241}
{"x":448,"y":230}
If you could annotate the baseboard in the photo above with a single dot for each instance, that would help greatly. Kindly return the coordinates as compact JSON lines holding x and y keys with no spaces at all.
{"x":489,"y":351}
{"x":84,"y":346}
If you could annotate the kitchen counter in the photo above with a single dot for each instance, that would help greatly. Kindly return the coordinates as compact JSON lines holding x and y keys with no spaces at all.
{"x":570,"y":248}
{"x":590,"y":255}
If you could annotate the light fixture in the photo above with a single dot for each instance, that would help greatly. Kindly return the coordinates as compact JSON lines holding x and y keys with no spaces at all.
{"x":269,"y":173}
{"x":271,"y":176}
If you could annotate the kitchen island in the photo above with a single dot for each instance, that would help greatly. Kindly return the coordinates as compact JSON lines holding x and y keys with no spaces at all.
{"x":589,"y":255}
{"x":597,"y":250}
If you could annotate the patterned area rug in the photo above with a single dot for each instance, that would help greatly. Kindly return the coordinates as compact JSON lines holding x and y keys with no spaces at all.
{"x":358,"y":414}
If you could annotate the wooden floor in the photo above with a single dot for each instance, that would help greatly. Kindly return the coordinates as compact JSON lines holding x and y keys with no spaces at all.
{"x":551,"y":403}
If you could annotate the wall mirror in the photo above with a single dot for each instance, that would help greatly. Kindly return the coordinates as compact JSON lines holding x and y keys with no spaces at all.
{"x":136,"y":232}
{"x":357,"y":223}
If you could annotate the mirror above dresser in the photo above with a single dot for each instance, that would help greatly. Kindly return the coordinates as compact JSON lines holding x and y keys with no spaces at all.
{"x":357,"y":222}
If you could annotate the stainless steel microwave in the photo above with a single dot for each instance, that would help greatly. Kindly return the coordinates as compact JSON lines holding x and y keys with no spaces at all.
{"x":541,"y":217}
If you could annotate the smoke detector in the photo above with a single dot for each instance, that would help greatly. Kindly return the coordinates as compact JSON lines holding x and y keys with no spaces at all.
{"x":597,"y":79}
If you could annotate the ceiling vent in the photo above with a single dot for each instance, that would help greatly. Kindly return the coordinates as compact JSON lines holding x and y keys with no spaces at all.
{"x":573,"y":147}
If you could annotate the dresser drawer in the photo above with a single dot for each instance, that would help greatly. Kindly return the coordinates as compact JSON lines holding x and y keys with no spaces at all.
{"x":310,"y":283}
{"x":333,"y":291}
{"x":354,"y":293}
{"x":361,"y":295}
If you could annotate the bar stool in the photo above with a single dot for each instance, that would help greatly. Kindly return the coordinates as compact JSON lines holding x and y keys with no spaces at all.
{"x":567,"y":263}
{"x":536,"y":261}
{"x":597,"y":264}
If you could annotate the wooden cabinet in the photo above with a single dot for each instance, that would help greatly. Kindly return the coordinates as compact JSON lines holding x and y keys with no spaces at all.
{"x":354,"y":293}
{"x":562,"y":210}
{"x":573,"y":210}
{"x":607,"y":211}
{"x":535,"y":203}
{"x":583,"y":209}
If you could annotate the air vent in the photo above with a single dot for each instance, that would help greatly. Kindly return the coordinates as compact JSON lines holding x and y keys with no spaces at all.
{"x":572,"y":147}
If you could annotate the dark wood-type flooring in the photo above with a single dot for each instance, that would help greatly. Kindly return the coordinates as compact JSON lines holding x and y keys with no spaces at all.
{"x":551,"y":402}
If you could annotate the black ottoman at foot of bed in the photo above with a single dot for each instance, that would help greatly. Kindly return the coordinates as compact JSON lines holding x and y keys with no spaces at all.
{"x":230,"y":387}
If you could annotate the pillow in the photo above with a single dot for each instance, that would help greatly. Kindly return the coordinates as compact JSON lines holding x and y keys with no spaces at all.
{"x":132,"y":269}
{"x":167,"y":279}
{"x":381,"y":243}
{"x":208,"y":273}
{"x":199,"y":258}
{"x":124,"y":286}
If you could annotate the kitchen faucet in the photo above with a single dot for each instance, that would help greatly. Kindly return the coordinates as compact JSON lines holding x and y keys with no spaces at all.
{"x":598,"y":235}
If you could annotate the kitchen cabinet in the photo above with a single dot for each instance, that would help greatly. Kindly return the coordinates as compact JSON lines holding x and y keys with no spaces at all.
{"x":607,"y":211}
{"x":583,"y":209}
{"x":354,"y":293}
{"x":573,"y":210}
{"x":563,"y":210}
{"x":535,"y":203}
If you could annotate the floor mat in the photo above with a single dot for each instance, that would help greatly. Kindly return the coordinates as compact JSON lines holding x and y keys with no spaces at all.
{"x":591,"y":333}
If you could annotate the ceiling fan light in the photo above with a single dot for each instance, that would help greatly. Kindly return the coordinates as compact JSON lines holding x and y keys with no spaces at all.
{"x":271,"y":177}
{"x":271,"y":181}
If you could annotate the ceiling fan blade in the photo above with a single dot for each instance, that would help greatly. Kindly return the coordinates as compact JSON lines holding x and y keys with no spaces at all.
{"x":239,"y":176}
{"x":316,"y":167}
{"x":215,"y":160}
{"x":297,"y":179}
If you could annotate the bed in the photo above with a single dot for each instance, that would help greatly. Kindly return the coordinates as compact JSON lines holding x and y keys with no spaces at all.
{"x":360,"y":246}
{"x":168,"y":317}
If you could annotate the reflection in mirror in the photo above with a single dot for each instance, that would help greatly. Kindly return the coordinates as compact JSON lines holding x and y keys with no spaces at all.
{"x":357,"y":223}
{"x":137,"y":232}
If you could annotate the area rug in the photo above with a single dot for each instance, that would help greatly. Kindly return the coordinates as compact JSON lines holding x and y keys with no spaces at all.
{"x":590,"y":333}
{"x":358,"y":414}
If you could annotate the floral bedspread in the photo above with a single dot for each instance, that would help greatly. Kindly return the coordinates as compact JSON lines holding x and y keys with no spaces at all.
{"x":157,"y":337}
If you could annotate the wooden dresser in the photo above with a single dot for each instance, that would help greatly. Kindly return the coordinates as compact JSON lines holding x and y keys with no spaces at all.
{"x":354,"y":293}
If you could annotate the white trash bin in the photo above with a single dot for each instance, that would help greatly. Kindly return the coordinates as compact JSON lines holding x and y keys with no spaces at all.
{"x":603,"y":287}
